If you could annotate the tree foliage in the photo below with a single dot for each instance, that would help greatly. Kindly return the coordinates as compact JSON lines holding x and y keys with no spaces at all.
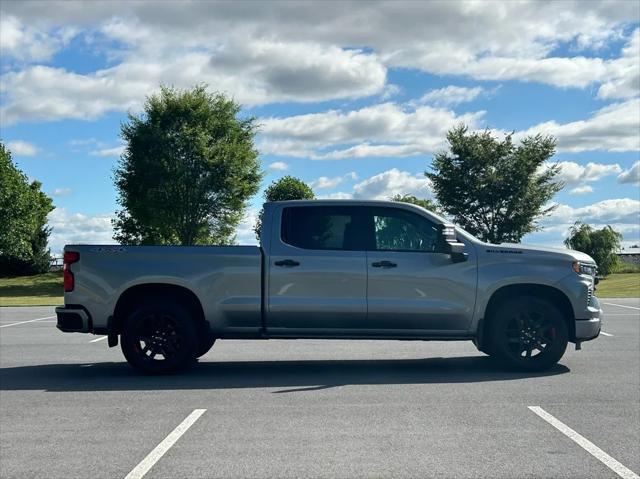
{"x":493,"y":188}
{"x":422,"y":202}
{"x":23,"y":219}
{"x":601,"y":245}
{"x":286,"y":188}
{"x":187,"y":171}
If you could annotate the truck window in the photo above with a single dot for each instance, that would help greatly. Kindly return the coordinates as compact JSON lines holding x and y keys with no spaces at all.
{"x":322,"y":228}
{"x":400,"y":230}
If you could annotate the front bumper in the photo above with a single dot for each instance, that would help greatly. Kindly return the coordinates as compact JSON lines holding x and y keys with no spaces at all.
{"x":589,"y":328}
{"x":72,"y":320}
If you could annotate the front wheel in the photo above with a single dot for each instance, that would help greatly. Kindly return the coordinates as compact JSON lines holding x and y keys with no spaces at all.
{"x":159,"y":337}
{"x":528,"y":334}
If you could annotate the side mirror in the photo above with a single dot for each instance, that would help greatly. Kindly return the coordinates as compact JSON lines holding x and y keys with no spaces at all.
{"x":449,"y":244}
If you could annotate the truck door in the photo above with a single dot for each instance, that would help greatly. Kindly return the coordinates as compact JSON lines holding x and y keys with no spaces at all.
{"x":413,"y":288}
{"x":317,"y":272}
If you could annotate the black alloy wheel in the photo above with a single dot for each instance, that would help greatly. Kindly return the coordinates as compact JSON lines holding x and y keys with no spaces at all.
{"x":159,"y":337}
{"x":528,"y":333}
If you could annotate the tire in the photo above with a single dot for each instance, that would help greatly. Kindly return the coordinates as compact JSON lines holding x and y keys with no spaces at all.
{"x":205,"y":344}
{"x":527,"y":334}
{"x":159,"y":337}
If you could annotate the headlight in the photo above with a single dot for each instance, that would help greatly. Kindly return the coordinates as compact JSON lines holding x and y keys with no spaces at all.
{"x":585,"y":268}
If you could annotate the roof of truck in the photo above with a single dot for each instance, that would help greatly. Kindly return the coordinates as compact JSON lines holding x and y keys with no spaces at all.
{"x":358,"y":202}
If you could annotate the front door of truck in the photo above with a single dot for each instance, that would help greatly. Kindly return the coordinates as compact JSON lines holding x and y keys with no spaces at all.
{"x":413,"y":289}
{"x":317,"y":272}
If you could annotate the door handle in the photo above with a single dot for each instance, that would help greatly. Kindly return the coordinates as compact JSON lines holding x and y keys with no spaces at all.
{"x":288,"y":263}
{"x":384,"y":264}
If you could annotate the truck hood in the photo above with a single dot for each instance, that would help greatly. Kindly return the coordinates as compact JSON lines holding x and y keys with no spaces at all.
{"x":544,"y":250}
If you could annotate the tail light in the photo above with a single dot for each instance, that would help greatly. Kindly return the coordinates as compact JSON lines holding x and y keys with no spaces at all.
{"x":70,"y":257}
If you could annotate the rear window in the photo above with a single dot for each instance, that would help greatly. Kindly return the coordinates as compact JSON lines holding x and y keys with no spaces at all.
{"x":321,"y":227}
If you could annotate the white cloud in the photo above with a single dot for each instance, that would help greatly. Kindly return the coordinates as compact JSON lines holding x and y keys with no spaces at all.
{"x":390,"y":90}
{"x":622,"y":210}
{"x":324,"y":182}
{"x":622,"y":214}
{"x":392,"y":130}
{"x":26,"y":43}
{"x":22,"y":148}
{"x":278,"y":166}
{"x":573,"y":173}
{"x":632,"y":175}
{"x":383,"y":186}
{"x":76,"y":228}
{"x":264,"y":52}
{"x":624,"y":77}
{"x":581,"y":190}
{"x":340,"y":195}
{"x":612,"y":128}
{"x":86,"y":142}
{"x":385,"y":129}
{"x":107,"y":152}
{"x":393,"y":182}
{"x":61,"y":192}
{"x":451,"y":95}
{"x":253,"y":72}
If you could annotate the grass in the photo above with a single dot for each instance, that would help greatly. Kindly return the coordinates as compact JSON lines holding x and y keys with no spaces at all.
{"x":619,"y":285}
{"x":627,"y":268}
{"x":39,"y":290}
{"x":46,"y":289}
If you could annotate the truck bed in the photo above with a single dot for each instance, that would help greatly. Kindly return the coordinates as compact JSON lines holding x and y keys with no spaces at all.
{"x":226,"y":279}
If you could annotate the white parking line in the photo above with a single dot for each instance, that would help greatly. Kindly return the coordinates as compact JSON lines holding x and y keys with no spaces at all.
{"x":621,"y":306}
{"x":606,"y":334}
{"x":587,"y":445}
{"x":23,"y":322}
{"x":105,"y":337}
{"x":154,"y":456}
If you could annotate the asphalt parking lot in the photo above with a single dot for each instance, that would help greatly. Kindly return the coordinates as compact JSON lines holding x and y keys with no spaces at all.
{"x":72,"y":408}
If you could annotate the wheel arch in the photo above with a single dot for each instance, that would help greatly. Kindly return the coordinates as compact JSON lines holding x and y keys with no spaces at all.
{"x":133,"y":295}
{"x":508,"y":292}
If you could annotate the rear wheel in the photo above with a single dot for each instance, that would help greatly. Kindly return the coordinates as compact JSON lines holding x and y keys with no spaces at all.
{"x":528,"y":334}
{"x":159,"y":337}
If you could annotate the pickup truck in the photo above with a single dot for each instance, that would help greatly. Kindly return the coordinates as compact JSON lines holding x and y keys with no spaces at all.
{"x":335,"y":269}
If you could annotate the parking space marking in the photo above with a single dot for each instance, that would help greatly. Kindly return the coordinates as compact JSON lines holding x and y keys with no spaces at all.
{"x":154,"y":456}
{"x":587,"y":445}
{"x":606,"y":334}
{"x":105,"y":337}
{"x":622,"y":306}
{"x":23,"y":322}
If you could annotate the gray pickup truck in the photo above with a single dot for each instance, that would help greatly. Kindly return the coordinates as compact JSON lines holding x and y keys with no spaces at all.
{"x":334,"y":269}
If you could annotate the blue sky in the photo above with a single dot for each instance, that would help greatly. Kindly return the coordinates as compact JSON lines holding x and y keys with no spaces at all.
{"x":353,"y":98}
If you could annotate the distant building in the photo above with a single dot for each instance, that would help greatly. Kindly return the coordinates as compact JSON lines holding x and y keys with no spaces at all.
{"x":630,"y":256}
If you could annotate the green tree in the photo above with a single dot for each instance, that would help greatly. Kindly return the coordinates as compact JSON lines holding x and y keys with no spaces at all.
{"x":422,"y":202}
{"x":601,"y":245}
{"x":492,"y":188}
{"x":23,"y":221}
{"x":188,"y":169}
{"x":286,"y":188}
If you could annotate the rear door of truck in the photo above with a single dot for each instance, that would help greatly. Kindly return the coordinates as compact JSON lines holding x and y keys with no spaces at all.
{"x":317,"y":271}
